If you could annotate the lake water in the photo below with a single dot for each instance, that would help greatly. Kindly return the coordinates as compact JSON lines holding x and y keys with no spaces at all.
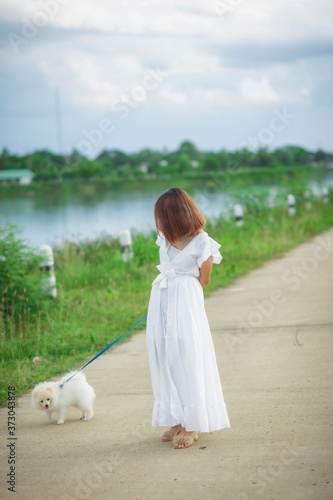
{"x":55,"y":219}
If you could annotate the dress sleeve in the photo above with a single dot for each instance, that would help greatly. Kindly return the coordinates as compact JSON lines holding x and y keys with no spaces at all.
{"x":210,"y":249}
{"x":160,"y":239}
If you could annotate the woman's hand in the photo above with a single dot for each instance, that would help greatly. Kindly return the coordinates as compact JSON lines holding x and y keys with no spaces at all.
{"x":205,"y":271}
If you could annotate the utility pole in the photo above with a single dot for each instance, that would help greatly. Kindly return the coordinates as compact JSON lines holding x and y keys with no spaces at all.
{"x":58,"y":121}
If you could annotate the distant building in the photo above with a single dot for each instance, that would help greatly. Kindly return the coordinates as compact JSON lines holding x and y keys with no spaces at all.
{"x":16,"y":176}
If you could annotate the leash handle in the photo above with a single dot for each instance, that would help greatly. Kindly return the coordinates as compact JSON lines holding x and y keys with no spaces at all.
{"x":103,"y":350}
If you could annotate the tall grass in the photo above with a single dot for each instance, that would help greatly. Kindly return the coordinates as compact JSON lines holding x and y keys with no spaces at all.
{"x":100,"y":296}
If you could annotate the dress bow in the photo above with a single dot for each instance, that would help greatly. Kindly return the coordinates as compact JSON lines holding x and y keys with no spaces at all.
{"x":163,"y":277}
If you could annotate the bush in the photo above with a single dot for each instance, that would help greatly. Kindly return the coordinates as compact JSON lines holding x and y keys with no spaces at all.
{"x":20,"y":282}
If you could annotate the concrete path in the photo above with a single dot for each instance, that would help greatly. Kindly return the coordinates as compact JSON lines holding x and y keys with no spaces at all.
{"x":273,"y":333}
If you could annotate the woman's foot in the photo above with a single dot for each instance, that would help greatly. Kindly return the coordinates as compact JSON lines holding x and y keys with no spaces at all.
{"x":184,"y":439}
{"x":170,"y":433}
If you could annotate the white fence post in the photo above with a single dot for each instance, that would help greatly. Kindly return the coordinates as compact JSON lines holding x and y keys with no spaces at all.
{"x":47,"y":266}
{"x":308,"y":202}
{"x":291,"y":204}
{"x":125,"y":240}
{"x":238,"y":213}
{"x":270,"y":203}
{"x":325,"y":194}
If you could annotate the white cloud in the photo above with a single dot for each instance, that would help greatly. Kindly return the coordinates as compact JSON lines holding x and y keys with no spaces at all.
{"x":258,"y":91}
{"x":305,"y":91}
{"x":174,"y":97}
{"x":215,"y":97}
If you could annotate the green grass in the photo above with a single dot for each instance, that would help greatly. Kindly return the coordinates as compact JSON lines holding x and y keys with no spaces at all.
{"x":100,"y":296}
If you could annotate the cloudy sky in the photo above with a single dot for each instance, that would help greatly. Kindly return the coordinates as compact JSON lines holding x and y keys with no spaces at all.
{"x":132,"y":74}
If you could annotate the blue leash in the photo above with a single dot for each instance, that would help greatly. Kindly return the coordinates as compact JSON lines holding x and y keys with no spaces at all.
{"x":105,"y":349}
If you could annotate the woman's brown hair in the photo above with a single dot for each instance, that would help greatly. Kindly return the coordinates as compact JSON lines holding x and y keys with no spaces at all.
{"x":177,"y":216}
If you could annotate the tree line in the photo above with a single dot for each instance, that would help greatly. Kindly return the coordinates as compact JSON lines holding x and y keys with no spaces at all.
{"x":186,"y":160}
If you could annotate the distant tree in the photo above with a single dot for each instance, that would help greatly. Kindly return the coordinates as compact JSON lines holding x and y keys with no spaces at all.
{"x":320,"y":156}
{"x":119,"y":157}
{"x":263,"y":158}
{"x":292,"y":155}
{"x":89,"y":169}
{"x":137,"y":173}
{"x":4,"y":159}
{"x":10,"y":162}
{"x":172,"y":158}
{"x":108,"y":165}
{"x":104,"y":155}
{"x":283,"y":156}
{"x":223,"y":158}
{"x":300,"y":156}
{"x":184,"y":164}
{"x":73,"y":159}
{"x":144,"y":156}
{"x":152,"y":159}
{"x":189,"y":149}
{"x":243,"y":158}
{"x":125,"y":171}
{"x":211,"y":163}
{"x":46,"y":165}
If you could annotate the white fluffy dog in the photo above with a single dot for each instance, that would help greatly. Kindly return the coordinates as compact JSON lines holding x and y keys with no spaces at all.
{"x":50,"y":397}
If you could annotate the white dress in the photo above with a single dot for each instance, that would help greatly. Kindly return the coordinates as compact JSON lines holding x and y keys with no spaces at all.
{"x":185,"y":378}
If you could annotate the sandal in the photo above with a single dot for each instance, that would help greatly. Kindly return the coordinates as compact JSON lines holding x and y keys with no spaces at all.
{"x":170,"y":433}
{"x":184,"y":440}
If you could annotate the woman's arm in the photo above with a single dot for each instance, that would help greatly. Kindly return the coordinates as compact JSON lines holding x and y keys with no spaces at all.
{"x":205,"y":271}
